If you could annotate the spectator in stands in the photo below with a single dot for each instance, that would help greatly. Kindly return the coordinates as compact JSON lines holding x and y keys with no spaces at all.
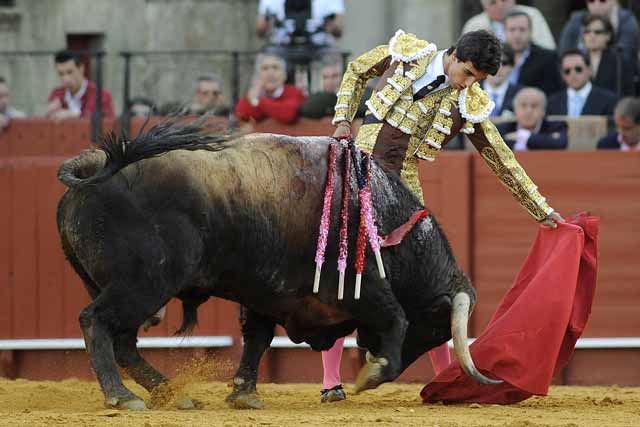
{"x":269,"y":96}
{"x":581,"y":97}
{"x":534,"y":66}
{"x":626,"y":136}
{"x":500,"y":89}
{"x":7,"y":112}
{"x":77,"y":95}
{"x":140,"y":106}
{"x":492,"y":19}
{"x":209,"y":97}
{"x":320,"y":104}
{"x":532,"y":131}
{"x":610,"y":68}
{"x":623,"y":21}
{"x":280,"y":21}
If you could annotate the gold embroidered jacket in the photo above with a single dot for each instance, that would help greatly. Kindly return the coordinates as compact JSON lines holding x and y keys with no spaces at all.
{"x":431,"y":121}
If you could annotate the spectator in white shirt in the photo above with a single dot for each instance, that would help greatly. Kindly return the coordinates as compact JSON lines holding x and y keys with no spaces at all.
{"x":492,"y":19}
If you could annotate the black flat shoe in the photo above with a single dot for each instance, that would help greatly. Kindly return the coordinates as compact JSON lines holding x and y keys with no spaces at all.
{"x":334,"y":394}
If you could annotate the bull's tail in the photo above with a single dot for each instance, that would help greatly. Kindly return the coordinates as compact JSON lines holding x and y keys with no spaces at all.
{"x":95,"y":166}
{"x":79,"y":170}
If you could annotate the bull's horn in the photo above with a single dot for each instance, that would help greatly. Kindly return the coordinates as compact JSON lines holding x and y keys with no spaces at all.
{"x":459,"y":320}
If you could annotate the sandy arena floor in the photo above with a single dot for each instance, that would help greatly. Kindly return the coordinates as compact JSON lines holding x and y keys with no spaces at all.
{"x":79,"y":403}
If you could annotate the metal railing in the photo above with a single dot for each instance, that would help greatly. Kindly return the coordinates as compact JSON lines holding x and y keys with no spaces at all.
{"x":295,"y":55}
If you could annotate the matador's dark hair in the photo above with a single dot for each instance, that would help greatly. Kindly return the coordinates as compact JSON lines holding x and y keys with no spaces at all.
{"x":482,"y":48}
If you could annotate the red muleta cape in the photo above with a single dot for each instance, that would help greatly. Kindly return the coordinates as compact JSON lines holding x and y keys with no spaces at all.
{"x":532,"y":335}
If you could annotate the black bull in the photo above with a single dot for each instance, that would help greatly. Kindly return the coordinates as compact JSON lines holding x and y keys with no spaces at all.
{"x":238,"y":219}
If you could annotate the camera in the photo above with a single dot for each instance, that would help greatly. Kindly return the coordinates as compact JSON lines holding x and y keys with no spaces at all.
{"x":297,"y":15}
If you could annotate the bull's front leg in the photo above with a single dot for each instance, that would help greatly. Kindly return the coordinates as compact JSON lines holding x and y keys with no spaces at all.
{"x":257,"y":332}
{"x":384,"y":318}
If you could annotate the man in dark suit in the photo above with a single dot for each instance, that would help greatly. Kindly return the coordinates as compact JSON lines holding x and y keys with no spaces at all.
{"x":626,"y":137}
{"x":581,"y":97}
{"x":534,"y":66}
{"x":532,"y":131}
{"x":498,"y":87}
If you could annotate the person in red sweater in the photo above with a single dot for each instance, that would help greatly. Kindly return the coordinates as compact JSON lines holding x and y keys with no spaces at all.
{"x":77,"y":95}
{"x":269,"y":96}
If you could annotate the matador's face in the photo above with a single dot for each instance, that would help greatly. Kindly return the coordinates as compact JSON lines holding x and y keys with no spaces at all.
{"x":463,"y":74}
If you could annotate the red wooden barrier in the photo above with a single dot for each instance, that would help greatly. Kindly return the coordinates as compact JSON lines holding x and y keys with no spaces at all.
{"x":604,"y":183}
{"x":303,"y":127}
{"x":446,"y":186}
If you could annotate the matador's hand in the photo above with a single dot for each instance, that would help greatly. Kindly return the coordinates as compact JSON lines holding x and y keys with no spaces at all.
{"x":552,"y":220}
{"x":343,"y":129}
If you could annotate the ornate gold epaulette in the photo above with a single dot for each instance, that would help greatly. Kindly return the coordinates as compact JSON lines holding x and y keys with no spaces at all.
{"x":406,"y":47}
{"x":475,"y":104}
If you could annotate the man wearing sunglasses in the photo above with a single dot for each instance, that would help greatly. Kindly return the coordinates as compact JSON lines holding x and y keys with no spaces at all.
{"x":624,"y":23}
{"x":581,"y":97}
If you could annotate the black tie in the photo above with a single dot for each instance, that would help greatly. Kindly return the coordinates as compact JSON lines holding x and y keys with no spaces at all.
{"x":429,"y":88}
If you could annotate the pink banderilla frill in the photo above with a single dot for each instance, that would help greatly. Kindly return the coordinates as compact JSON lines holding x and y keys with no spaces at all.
{"x":361,"y":241}
{"x":372,"y":230}
{"x":344,"y":219}
{"x":326,"y":217}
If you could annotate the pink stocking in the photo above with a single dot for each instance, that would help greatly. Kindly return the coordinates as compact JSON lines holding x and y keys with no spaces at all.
{"x":331,"y":365}
{"x":440,"y":358}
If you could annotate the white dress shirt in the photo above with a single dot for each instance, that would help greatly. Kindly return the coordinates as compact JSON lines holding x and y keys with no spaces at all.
{"x":275,"y":95}
{"x":433,"y":71}
{"x":498,"y":29}
{"x":522,"y":137}
{"x":74,"y":101}
{"x":626,"y":147}
{"x":576,"y":99}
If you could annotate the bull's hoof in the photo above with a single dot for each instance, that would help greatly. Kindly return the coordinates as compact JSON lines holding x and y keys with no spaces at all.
{"x":245,"y":400}
{"x":371,"y":375}
{"x":136,"y":404}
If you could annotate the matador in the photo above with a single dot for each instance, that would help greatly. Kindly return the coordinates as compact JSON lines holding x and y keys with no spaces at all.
{"x":423,"y":99}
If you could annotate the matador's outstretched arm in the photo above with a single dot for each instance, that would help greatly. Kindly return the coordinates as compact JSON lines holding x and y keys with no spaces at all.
{"x":503,"y":163}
